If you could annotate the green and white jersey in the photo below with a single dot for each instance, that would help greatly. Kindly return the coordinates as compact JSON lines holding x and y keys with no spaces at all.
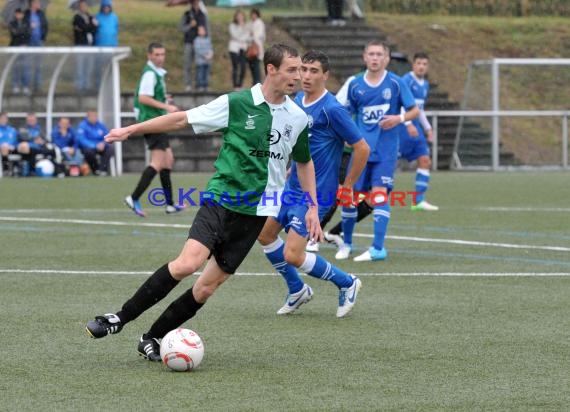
{"x":258,"y":141}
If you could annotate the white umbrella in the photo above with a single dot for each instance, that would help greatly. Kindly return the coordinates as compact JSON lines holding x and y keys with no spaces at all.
{"x":12,"y":5}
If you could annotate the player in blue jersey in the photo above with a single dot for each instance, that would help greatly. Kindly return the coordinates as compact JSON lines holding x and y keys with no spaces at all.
{"x":376,"y":97}
{"x":330,"y":126}
{"x":413,"y":143}
{"x":413,"y":146}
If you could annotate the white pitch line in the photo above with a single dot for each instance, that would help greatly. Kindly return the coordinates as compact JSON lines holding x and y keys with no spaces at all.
{"x":363,"y":235}
{"x":90,"y":222}
{"x":448,"y":274}
{"x":523,"y":209}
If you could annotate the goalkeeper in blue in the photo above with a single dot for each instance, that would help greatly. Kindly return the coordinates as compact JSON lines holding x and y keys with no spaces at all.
{"x":330,"y":127}
{"x":376,"y":98}
{"x":416,"y":134}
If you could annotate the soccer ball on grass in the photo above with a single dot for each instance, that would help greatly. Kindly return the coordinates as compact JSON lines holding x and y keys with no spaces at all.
{"x":181,"y":350}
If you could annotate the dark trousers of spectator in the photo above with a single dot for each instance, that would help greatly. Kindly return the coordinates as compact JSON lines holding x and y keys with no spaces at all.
{"x":238,"y":68}
{"x":255,"y":71}
{"x":334,"y":9}
{"x":92,"y":161}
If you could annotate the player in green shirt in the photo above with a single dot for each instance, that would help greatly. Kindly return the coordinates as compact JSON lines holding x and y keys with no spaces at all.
{"x":262,"y":129}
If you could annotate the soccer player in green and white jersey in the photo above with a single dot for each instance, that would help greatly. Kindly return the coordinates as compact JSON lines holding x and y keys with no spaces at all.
{"x":262,"y":129}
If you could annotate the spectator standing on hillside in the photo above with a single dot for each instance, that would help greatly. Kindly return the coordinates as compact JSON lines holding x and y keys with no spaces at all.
{"x":36,"y":19}
{"x":91,"y":139}
{"x":334,"y":12}
{"x":151,"y":101}
{"x":204,"y":54}
{"x":84,"y":29}
{"x":189,"y":23}
{"x":239,"y":38}
{"x":20,"y":34}
{"x":107,"y":34}
{"x":257,"y":29}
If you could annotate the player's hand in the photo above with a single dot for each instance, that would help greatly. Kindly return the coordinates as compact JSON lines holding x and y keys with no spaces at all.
{"x":170,"y":108}
{"x":117,"y":135}
{"x":389,"y":121}
{"x":412,"y":130}
{"x":314,"y":225}
{"x":429,"y":135}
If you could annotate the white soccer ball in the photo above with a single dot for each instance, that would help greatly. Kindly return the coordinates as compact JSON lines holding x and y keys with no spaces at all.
{"x":45,"y":168}
{"x":182,"y":350}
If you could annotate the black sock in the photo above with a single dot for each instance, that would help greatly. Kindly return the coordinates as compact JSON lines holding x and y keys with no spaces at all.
{"x":363,"y":210}
{"x":144,"y":182}
{"x":179,"y":311}
{"x":166,"y":185}
{"x":327,"y":218}
{"x":156,"y":287}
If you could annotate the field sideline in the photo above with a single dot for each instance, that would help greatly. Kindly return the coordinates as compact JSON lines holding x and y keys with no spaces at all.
{"x":470,"y":312}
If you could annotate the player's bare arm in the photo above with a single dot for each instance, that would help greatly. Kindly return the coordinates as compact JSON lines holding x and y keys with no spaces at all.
{"x":162,"y":124}
{"x":306,"y":173}
{"x":360,"y":152}
{"x":152,"y":102}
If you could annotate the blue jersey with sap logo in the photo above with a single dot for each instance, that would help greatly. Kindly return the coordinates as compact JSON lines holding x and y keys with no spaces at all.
{"x":330,"y":127}
{"x":420,"y":91}
{"x":369,"y":103}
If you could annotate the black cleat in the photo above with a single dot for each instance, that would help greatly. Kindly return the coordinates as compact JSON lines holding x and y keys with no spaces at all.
{"x":104,"y":325}
{"x":149,"y":349}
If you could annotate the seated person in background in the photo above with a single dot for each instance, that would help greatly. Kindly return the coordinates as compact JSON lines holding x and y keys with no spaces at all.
{"x":8,"y":140}
{"x":67,"y":146}
{"x":32,"y":145}
{"x":90,"y":136}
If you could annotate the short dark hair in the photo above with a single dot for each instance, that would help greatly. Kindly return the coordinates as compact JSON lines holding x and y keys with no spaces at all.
{"x":154,"y":45}
{"x":276,"y":53}
{"x":317,"y":56}
{"x":256,"y":12}
{"x":420,"y":55}
{"x":381,"y":43}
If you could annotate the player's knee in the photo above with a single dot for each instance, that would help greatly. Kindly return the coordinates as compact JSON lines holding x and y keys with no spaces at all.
{"x":203,"y":291}
{"x":424,"y":162}
{"x":293,"y":257}
{"x":182,"y":267}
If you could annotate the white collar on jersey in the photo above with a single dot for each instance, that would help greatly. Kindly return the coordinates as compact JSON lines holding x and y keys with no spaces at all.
{"x":258,"y":98}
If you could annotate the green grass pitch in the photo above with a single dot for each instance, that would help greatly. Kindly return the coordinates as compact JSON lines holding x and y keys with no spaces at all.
{"x":470,"y":312}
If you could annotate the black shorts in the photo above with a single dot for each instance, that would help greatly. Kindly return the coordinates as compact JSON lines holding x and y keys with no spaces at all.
{"x":229,"y":235}
{"x":157,"y":141}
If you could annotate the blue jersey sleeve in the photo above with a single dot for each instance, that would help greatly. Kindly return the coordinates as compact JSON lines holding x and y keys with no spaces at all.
{"x":343,"y":126}
{"x":406,"y":98}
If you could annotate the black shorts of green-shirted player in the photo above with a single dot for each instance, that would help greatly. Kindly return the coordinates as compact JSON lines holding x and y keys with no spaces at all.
{"x":248,"y":119}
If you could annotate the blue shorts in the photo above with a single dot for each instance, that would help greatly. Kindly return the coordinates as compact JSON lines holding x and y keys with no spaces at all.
{"x":377,"y":174}
{"x":412,"y":148}
{"x":294,"y":217}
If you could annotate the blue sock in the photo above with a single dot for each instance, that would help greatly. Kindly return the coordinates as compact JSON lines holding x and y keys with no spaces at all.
{"x":381,"y":220}
{"x":422,"y":183}
{"x":274,"y":253}
{"x":348,"y":216}
{"x":319,"y":268}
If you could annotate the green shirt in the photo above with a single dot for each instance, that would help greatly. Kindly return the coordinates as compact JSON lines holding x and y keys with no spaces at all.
{"x":258,"y":142}
{"x":152,"y":84}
